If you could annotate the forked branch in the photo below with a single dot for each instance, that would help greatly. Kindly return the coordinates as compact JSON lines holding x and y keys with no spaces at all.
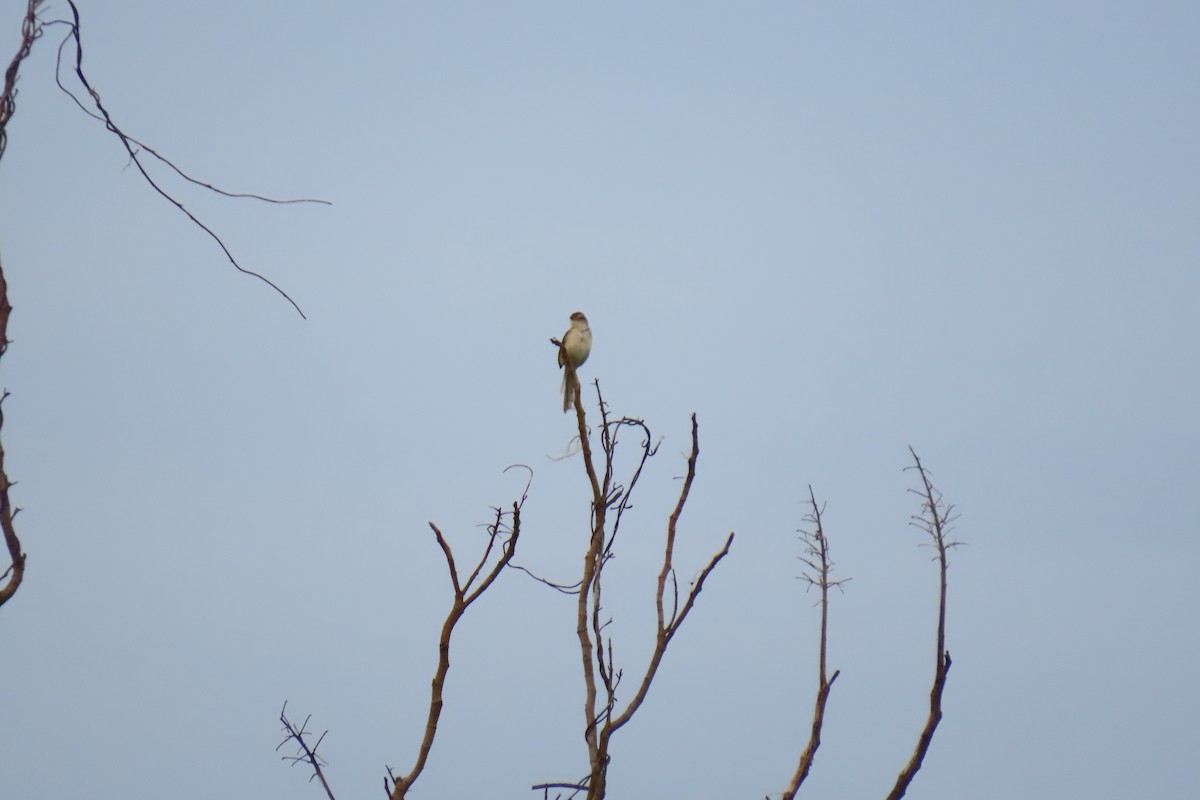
{"x":669,"y":622}
{"x":503,"y":533}
{"x":601,"y":674}
{"x":935,"y":519}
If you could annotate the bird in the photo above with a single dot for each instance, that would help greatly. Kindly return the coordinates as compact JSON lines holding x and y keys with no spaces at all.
{"x":576,"y":346}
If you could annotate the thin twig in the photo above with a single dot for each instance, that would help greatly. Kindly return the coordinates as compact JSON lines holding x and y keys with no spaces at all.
{"x":134,"y":148}
{"x":305,"y":754}
{"x":565,"y":588}
{"x":166,"y":161}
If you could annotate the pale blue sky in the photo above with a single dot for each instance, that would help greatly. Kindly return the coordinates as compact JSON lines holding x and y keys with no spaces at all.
{"x":831,"y":230}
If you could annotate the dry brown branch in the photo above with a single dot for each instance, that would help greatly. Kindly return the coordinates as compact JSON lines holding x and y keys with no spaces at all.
{"x":602,"y":676}
{"x":14,"y":574}
{"x":669,"y":624}
{"x":305,"y":754}
{"x":503,"y":532}
{"x":935,"y":519}
{"x":134,"y":148}
{"x":816,"y":556}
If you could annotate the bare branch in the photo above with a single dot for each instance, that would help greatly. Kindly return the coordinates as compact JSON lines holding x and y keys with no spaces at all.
{"x":596,"y":653}
{"x":16,"y":571}
{"x":577,"y":787}
{"x":934,"y":519}
{"x":592,"y":563}
{"x":165,"y":161}
{"x":463,"y":598}
{"x":135,"y":148}
{"x":441,"y":540}
{"x":305,"y":754}
{"x":620,"y":499}
{"x":817,"y":558}
{"x":14,"y":574}
{"x":666,"y":634}
{"x":667,"y":626}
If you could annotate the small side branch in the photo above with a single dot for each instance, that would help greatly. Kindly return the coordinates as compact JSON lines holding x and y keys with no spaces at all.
{"x":305,"y":753}
{"x":935,"y":519}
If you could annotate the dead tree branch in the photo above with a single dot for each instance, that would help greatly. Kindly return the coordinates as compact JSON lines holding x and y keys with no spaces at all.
{"x":610,"y":500}
{"x":135,"y":148}
{"x":935,"y":519}
{"x":31,"y":29}
{"x":503,"y":532}
{"x":305,"y":754}
{"x":820,"y":566}
{"x":670,"y":623}
{"x":15,"y":573}
{"x":163,"y":159}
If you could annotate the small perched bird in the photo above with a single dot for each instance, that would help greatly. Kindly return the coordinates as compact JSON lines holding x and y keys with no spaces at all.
{"x":576,"y":346}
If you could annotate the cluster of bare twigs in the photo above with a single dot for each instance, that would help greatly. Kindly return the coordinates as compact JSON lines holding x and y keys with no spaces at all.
{"x":820,"y":567}
{"x":305,"y":753}
{"x":935,"y":519}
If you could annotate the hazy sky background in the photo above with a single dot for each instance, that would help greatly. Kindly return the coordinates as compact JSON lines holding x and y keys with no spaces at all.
{"x":830,"y":229}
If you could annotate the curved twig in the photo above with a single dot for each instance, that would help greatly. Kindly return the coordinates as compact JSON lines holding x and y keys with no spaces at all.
{"x":134,"y":148}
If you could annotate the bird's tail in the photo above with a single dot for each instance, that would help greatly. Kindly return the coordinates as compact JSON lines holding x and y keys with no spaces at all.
{"x":568,"y":389}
